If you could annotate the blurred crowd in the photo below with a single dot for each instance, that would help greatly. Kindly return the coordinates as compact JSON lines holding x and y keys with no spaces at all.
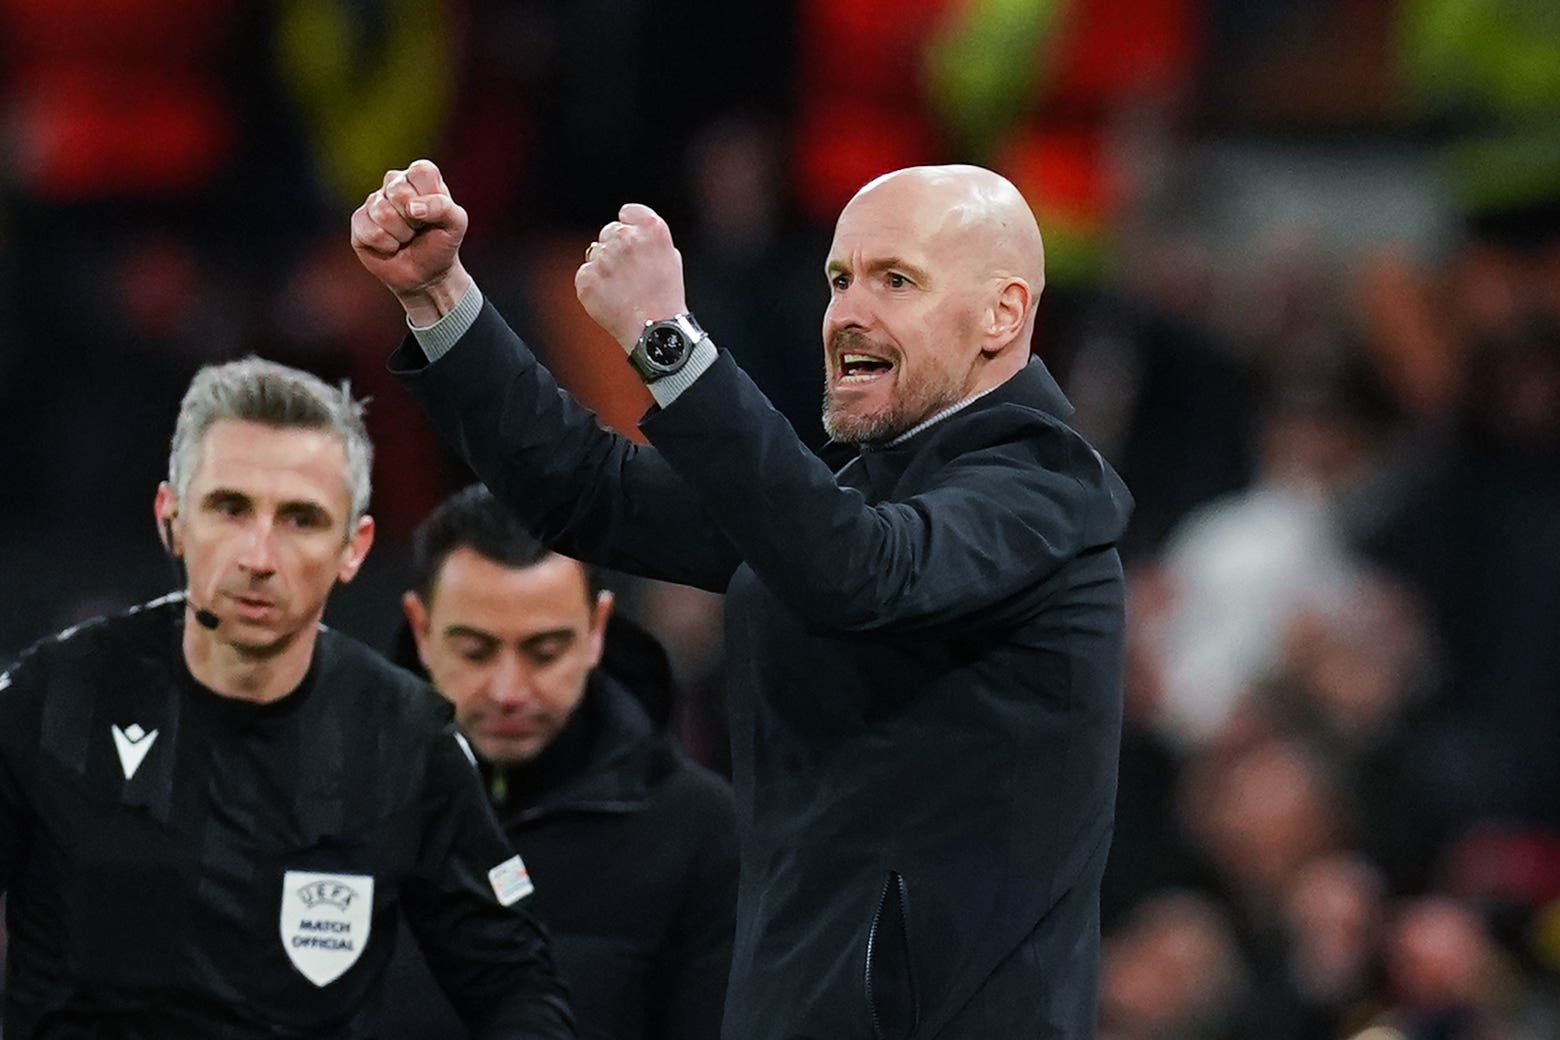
{"x":1304,"y":263}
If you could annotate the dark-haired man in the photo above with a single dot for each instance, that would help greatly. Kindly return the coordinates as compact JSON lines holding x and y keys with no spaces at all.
{"x":633,"y":847}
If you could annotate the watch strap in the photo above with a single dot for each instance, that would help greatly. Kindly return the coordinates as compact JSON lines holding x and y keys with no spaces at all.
{"x":668,"y":389}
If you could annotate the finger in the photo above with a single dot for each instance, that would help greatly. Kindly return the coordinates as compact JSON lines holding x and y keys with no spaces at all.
{"x":370,"y":237}
{"x":610,"y":231}
{"x":389,"y":217}
{"x":437,"y":210}
{"x":425,"y":177}
{"x":638,"y":213}
{"x":390,"y":175}
{"x":400,"y":191}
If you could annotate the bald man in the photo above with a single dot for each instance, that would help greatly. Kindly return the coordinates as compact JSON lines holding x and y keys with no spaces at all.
{"x":924,"y":648}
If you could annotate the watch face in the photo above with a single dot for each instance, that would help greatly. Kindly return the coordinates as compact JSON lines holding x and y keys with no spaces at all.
{"x":664,"y":346}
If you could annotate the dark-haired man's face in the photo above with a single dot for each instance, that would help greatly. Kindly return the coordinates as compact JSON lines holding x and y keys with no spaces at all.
{"x":511,"y":648}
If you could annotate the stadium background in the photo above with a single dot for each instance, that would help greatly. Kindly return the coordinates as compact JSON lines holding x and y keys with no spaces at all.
{"x":1304,"y":289}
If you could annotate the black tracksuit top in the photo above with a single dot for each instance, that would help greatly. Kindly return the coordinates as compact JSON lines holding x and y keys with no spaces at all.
{"x":244,"y":879}
{"x":634,"y":852}
{"x":924,"y":669}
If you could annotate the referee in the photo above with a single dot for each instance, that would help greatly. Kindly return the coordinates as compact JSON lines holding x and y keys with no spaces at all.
{"x":213,"y":808}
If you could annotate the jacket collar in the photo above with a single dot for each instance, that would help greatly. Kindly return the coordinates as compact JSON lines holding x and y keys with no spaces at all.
{"x":606,"y":760}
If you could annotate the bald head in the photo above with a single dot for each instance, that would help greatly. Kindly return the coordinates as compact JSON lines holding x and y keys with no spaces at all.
{"x":974,"y":212}
{"x":933,"y":274}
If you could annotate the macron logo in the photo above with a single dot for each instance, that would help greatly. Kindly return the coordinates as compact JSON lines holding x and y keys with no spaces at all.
{"x":132,"y":745}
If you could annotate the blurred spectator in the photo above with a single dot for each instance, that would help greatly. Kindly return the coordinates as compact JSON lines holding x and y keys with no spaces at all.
{"x":1328,"y":984}
{"x":1241,"y":568}
{"x":1447,"y":979}
{"x":1173,"y":972}
{"x":1353,"y":681}
{"x":1261,"y":812}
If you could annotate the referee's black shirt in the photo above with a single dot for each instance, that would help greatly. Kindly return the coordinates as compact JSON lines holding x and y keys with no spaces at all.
{"x":183,"y":864}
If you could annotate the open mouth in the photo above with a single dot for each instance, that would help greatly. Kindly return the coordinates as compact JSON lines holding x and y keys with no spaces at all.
{"x":862,"y":368}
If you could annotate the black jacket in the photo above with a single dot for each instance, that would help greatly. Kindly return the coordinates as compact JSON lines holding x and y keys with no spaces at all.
{"x":633,"y":849}
{"x":924,"y":657}
{"x":185,"y":865}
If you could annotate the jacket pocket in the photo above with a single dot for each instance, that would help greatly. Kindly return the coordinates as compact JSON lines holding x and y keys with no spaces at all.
{"x":890,"y":985}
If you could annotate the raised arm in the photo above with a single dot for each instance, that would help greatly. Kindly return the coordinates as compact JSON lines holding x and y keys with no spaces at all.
{"x":585,"y":490}
{"x":993,"y":513}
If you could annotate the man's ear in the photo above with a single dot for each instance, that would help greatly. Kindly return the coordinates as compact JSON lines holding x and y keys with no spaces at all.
{"x":599,"y":616}
{"x":165,"y":506}
{"x":357,"y":547}
{"x":1006,"y":315}
{"x":417,"y":618}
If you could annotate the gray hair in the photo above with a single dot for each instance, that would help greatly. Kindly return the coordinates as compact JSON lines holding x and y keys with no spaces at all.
{"x":260,"y":391}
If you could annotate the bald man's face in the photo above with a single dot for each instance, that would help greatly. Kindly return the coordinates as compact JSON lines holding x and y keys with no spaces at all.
{"x":906,"y":292}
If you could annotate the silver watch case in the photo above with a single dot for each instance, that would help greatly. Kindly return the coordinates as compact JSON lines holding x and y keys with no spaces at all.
{"x":664,"y":347}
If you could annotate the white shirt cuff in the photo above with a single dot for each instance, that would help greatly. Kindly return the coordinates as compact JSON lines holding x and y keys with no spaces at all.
{"x":667,"y":389}
{"x":437,"y":339}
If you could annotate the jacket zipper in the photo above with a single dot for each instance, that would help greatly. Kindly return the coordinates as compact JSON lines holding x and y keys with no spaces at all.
{"x":895,"y":880}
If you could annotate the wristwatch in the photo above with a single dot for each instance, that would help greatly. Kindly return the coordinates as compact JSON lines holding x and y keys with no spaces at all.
{"x":665,"y":346}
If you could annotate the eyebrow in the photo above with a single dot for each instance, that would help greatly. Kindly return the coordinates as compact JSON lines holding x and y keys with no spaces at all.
{"x":461,"y":631}
{"x":917,"y":273}
{"x":222,"y":494}
{"x":307,"y":510}
{"x":467,"y":632}
{"x":290,"y":505}
{"x":303,"y":507}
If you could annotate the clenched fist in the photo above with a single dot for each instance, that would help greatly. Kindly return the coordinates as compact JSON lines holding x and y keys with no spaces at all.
{"x":408,"y":234}
{"x":632,"y":274}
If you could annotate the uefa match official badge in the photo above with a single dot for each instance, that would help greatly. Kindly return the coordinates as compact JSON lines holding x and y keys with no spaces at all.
{"x":325,"y":922}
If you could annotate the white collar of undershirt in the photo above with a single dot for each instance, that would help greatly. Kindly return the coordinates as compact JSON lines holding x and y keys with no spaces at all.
{"x":939,"y":417}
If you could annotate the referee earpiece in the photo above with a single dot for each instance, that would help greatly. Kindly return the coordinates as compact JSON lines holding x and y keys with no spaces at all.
{"x":204,"y":616}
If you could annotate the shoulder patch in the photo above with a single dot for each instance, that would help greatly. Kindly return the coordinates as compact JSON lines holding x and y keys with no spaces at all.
{"x":5,"y":680}
{"x":511,"y":881}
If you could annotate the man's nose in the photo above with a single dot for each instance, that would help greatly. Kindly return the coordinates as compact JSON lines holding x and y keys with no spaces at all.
{"x":509,"y":685}
{"x":258,"y":554}
{"x":849,"y":308}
